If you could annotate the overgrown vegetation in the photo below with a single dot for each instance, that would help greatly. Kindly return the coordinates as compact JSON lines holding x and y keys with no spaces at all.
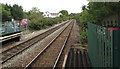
{"x":9,"y":12}
{"x":37,"y":21}
{"x":94,"y":12}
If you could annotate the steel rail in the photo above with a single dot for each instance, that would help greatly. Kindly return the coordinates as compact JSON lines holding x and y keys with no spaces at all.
{"x":35,"y":36}
{"x":62,"y":48}
{"x":28,"y":45}
{"x":31,"y":62}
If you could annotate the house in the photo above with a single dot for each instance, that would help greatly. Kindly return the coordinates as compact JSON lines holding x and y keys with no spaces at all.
{"x":51,"y":15}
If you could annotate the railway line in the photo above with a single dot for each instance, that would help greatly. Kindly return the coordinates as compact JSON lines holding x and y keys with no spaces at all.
{"x":71,"y":40}
{"x":10,"y":53}
{"x":50,"y":55}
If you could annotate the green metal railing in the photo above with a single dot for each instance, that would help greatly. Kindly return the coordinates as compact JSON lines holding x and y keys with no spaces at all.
{"x":103,"y":46}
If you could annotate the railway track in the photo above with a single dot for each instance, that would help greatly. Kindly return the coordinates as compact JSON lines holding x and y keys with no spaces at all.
{"x":10,"y":53}
{"x":50,"y":55}
{"x":66,"y":48}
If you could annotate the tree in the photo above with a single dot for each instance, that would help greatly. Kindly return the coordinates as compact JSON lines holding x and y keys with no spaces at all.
{"x":35,"y":13}
{"x":25,"y":14}
{"x":36,"y":18}
{"x":17,"y":12}
{"x":34,"y":10}
{"x":99,"y":10}
{"x":84,"y":7}
{"x":6,"y":13}
{"x":37,"y":21}
{"x":95,"y":12}
{"x":64,"y":12}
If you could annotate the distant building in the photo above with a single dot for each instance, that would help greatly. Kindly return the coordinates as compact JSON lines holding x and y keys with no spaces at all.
{"x":51,"y":15}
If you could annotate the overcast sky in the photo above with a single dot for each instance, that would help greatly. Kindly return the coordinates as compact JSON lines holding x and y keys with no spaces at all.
{"x":72,"y":6}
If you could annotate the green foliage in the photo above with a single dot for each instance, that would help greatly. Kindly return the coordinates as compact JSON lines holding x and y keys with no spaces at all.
{"x":0,"y":13}
{"x":37,"y":21}
{"x":64,"y":15}
{"x":6,"y":13}
{"x":83,"y":37}
{"x":99,"y":10}
{"x":64,"y":12}
{"x":43,"y":23}
{"x":84,"y":7}
{"x":35,"y":10}
{"x":9,"y":12}
{"x":25,"y":15}
{"x":17,"y":12}
{"x":64,"y":18}
{"x":94,"y":12}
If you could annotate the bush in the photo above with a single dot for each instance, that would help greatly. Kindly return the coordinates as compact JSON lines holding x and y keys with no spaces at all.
{"x":43,"y":23}
{"x":83,"y":37}
{"x":35,"y":24}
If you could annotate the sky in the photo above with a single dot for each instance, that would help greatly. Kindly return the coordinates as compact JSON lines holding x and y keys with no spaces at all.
{"x":53,"y":6}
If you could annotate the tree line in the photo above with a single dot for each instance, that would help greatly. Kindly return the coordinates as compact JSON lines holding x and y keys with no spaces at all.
{"x":9,"y":12}
{"x":37,"y":21}
{"x":94,"y":12}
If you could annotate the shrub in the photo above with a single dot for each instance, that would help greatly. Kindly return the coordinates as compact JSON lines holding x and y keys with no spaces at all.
{"x":43,"y":23}
{"x":83,"y":37}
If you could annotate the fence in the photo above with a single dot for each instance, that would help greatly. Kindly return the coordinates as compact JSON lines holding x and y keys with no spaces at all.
{"x":103,"y":46}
